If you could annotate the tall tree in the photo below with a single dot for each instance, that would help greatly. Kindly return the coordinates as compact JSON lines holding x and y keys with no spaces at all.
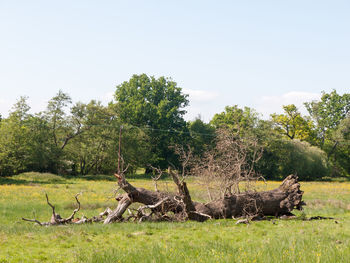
{"x":328,"y":113}
{"x":64,"y":127}
{"x":292,"y":124}
{"x":96,"y":149}
{"x":339,"y":148}
{"x":157,"y":107}
{"x":236,"y":119}
{"x":14,"y":131}
{"x":202,"y":136}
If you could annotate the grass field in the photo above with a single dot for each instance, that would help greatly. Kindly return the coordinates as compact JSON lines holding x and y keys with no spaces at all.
{"x":212,"y":241}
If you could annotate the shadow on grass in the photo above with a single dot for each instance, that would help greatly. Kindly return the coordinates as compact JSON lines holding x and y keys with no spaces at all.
{"x":91,"y":177}
{"x":42,"y":178}
{"x":15,"y":181}
{"x":33,"y":178}
{"x":165,"y":176}
{"x":102,"y":177}
{"x":334,"y":179}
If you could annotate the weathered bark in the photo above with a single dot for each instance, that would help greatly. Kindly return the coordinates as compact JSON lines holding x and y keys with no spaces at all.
{"x":143,"y":196}
{"x":276,"y":202}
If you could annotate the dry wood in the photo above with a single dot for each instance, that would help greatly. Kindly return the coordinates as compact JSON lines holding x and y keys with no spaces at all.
{"x":56,"y":219}
{"x":276,"y":202}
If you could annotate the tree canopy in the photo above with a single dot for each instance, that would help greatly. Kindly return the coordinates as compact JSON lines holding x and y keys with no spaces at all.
{"x":82,"y":138}
{"x":154,"y":105}
{"x":292,"y":124}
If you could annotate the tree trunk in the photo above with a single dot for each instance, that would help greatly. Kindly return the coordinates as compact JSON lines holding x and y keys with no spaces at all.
{"x":276,"y":202}
{"x":143,"y":196}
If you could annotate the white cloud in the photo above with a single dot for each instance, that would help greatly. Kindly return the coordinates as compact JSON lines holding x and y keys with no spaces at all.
{"x":200,"y":95}
{"x":202,"y":103}
{"x":273,"y":104}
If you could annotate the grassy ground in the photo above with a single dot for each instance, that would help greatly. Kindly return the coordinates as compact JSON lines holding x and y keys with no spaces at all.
{"x":212,"y":241}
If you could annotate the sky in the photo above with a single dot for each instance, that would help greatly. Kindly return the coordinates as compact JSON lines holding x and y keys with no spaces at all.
{"x":260,"y":54}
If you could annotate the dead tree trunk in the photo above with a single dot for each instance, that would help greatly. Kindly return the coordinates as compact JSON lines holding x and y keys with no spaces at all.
{"x":143,"y":196}
{"x":276,"y":202}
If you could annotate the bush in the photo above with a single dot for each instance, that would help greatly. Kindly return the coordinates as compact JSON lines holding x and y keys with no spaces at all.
{"x":283,"y":157}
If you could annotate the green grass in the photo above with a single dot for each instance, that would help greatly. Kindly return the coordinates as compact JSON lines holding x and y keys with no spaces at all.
{"x":212,"y":241}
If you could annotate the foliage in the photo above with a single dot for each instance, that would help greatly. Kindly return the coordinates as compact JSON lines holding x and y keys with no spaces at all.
{"x":13,"y":150}
{"x":340,"y":151}
{"x":292,"y":124}
{"x":96,"y":149}
{"x":284,"y":156}
{"x":83,"y":141}
{"x":236,"y":120}
{"x":202,"y":136}
{"x":156,"y":106}
{"x":24,"y":141}
{"x":82,"y":138}
{"x":328,"y":113}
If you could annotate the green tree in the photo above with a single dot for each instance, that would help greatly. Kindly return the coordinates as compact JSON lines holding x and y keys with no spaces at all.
{"x":328,"y":113}
{"x":292,"y":124}
{"x":242,"y":121}
{"x":96,"y":149}
{"x":58,"y":120}
{"x":202,"y":136}
{"x":340,"y":151}
{"x":157,"y":106}
{"x":64,"y":127}
{"x":39,"y":145}
{"x":284,"y":156}
{"x":14,"y":147}
{"x":25,"y":143}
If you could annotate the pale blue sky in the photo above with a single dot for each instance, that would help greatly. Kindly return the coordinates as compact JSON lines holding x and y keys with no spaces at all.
{"x":260,"y":54}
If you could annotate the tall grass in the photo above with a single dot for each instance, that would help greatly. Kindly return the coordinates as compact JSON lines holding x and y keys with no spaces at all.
{"x":212,"y":241}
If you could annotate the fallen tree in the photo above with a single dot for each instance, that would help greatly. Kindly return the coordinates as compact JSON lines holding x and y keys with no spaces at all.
{"x":277,"y":202}
{"x":230,"y":164}
{"x":180,"y":206}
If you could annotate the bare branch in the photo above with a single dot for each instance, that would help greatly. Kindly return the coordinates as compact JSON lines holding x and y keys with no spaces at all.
{"x":230,"y":163}
{"x":75,"y":210}
{"x":32,"y":220}
{"x":53,"y":207}
{"x":157,"y":175}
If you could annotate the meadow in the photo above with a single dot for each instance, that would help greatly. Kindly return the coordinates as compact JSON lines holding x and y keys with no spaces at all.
{"x":276,"y":240}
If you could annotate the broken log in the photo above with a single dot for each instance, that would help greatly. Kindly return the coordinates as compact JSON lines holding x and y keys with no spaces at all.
{"x":276,"y":202}
{"x":133,"y":194}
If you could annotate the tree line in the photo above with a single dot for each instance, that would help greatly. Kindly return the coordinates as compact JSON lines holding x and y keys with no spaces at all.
{"x":83,"y":138}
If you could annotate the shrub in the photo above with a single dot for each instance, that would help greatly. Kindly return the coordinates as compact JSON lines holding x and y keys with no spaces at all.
{"x":283,"y":157}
